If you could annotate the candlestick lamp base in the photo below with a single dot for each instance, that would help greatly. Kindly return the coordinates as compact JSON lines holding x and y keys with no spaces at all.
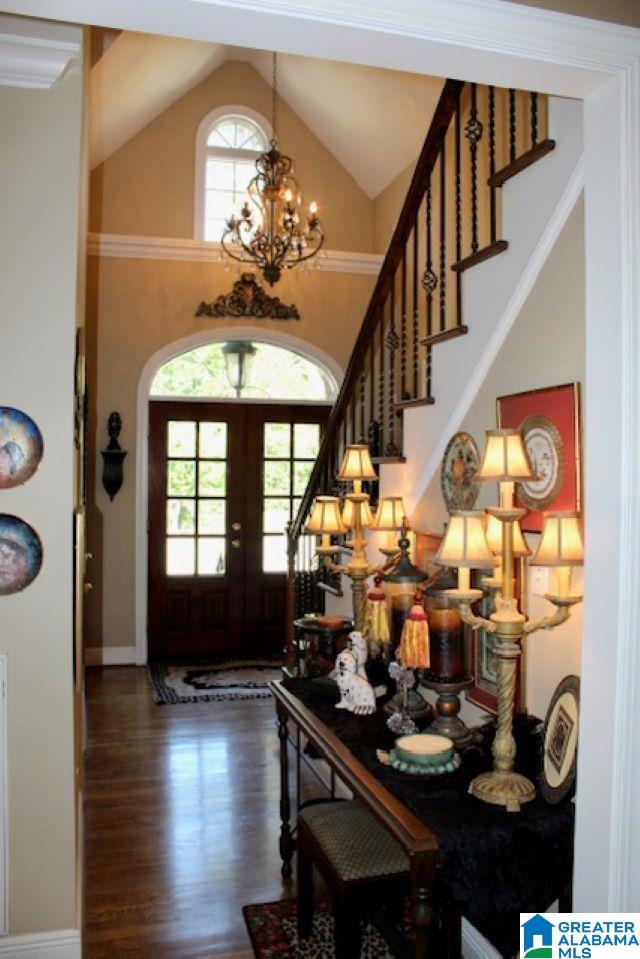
{"x":507,"y":789}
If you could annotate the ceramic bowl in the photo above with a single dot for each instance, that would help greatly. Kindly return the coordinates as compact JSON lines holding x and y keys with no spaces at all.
{"x":424,"y":750}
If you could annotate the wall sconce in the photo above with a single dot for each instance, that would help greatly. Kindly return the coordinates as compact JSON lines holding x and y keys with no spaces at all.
{"x":113,"y":457}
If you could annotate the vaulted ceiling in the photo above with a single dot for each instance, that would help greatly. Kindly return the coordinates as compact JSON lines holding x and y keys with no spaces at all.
{"x":373,"y":120}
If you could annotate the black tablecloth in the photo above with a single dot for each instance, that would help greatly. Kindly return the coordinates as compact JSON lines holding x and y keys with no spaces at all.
{"x":495,"y":864}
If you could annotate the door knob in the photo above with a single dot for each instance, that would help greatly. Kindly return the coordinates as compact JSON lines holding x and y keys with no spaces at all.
{"x":236,"y":527}
{"x":235,"y":543}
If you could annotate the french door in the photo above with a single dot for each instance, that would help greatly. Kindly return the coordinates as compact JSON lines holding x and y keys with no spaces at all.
{"x":224,"y":479}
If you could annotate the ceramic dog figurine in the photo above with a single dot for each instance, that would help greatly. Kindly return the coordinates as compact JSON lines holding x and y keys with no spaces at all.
{"x":358,"y":646}
{"x":356,"y":693}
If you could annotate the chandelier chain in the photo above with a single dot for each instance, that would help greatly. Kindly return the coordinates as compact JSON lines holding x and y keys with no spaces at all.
{"x":274,"y":94}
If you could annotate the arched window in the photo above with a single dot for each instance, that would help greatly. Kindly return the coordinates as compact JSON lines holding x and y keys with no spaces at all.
{"x":228,"y":143}
{"x":271,"y":373}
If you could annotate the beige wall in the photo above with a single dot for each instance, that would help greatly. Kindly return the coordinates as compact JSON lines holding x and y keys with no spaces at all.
{"x":544,"y":348}
{"x":40,"y":176}
{"x":386,"y":209}
{"x":146,"y":187}
{"x":142,"y":306}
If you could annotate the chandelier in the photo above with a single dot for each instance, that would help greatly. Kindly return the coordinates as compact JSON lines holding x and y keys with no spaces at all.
{"x":272,"y":236}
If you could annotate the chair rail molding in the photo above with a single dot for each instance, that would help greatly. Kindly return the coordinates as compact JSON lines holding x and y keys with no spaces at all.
{"x":514,"y":46}
{"x":34,"y":54}
{"x":126,"y":246}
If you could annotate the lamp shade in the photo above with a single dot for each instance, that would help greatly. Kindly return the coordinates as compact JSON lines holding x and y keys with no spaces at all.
{"x":464,"y":544}
{"x":561,"y":541}
{"x":505,"y":458}
{"x":356,"y":464}
{"x":349,"y":513}
{"x":390,"y":514}
{"x":325,"y":516}
{"x":493,"y":533}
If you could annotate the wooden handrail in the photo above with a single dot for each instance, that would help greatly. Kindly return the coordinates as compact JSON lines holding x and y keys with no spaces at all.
{"x":426,"y":161}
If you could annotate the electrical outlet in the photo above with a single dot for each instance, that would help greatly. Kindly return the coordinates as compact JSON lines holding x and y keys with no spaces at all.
{"x":539,"y":580}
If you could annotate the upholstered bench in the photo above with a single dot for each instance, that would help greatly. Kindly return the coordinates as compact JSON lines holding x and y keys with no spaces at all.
{"x":362,"y":865}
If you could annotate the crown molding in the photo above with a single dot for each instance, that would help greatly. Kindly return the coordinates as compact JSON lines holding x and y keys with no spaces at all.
{"x":198,"y":251}
{"x":35,"y":54}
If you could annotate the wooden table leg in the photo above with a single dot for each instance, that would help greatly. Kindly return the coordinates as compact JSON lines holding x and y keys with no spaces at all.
{"x":287,"y":844}
{"x":425,"y":926}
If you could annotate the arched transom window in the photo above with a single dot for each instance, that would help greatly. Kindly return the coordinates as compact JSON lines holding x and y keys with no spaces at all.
{"x":229,"y":143}
{"x":270,"y":373}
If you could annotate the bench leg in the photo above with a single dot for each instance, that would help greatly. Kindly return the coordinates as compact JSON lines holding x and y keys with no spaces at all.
{"x":348,"y":934}
{"x":305,"y":893}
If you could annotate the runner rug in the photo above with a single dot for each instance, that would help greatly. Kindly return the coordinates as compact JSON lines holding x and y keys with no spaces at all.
{"x":234,"y":679}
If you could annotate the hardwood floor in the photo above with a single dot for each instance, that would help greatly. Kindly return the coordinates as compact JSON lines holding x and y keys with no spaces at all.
{"x":181,"y":821}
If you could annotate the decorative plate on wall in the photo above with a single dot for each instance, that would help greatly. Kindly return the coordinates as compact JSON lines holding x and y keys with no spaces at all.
{"x":546,"y":454}
{"x":20,"y":554}
{"x":21,"y":447}
{"x":460,"y":465}
{"x":560,"y":743}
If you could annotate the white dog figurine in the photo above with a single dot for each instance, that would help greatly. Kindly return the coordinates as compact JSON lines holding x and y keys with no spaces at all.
{"x":358,"y":646}
{"x":356,"y":693}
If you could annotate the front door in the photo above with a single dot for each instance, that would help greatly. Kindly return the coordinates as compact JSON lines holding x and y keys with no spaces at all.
{"x":224,"y":479}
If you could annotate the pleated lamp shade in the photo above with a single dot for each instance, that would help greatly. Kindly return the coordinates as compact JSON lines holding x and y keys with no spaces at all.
{"x":390,"y":514}
{"x":356,"y":464}
{"x":505,"y":458}
{"x":325,"y":516}
{"x":561,"y":541}
{"x":349,"y":513}
{"x":464,"y":544}
{"x":493,"y":534}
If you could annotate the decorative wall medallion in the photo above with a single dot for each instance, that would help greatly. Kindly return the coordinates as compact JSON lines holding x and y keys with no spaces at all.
{"x":21,"y":447}
{"x":248,"y":298}
{"x":460,"y":465}
{"x":559,"y":757}
{"x":546,"y":453}
{"x":20,"y":554}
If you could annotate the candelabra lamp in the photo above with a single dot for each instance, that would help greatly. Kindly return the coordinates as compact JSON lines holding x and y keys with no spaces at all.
{"x":390,"y":518}
{"x":356,"y":468}
{"x":465,"y":547}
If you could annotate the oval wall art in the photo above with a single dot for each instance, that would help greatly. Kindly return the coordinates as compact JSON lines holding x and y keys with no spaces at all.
{"x":21,"y":447}
{"x":20,"y":554}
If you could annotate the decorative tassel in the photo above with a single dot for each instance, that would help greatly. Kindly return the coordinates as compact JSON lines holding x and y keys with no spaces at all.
{"x":413,"y":651}
{"x":376,"y":624}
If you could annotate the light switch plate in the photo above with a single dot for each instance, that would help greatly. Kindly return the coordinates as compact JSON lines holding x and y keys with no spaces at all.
{"x":539,"y":580}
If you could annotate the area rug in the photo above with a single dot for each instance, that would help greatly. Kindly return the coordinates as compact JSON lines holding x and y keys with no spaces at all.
{"x":274,"y":935}
{"x":233,"y":679}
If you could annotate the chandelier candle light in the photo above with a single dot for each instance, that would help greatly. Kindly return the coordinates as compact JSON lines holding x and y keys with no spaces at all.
{"x":272,"y":237}
{"x":389,"y":518}
{"x":465,"y":547}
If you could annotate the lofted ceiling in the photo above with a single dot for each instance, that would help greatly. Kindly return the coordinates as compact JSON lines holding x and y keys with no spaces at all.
{"x":373,"y":120}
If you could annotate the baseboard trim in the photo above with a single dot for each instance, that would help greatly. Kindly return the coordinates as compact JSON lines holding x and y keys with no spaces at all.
{"x":474,"y":945}
{"x":110,"y":656}
{"x":61,"y":944}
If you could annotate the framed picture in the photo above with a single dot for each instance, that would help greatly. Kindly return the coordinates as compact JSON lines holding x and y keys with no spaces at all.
{"x":549,"y":420}
{"x":480,"y":645}
{"x":560,"y":741}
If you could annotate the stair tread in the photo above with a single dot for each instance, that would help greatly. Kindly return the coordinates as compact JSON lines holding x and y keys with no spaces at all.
{"x":449,"y":334}
{"x":522,"y":162}
{"x":409,"y":404}
{"x":493,"y":249}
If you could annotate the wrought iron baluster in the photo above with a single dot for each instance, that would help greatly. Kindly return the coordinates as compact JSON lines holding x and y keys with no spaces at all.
{"x":443,"y":239}
{"x":414,"y":298}
{"x":458,"y":215}
{"x":381,"y":384}
{"x":353,"y":417}
{"x":403,"y":327}
{"x":429,"y":284}
{"x":492,"y":163}
{"x":534,"y":119}
{"x":473,"y":131}
{"x":363,"y":385}
{"x":392,"y":341}
{"x":512,"y":126}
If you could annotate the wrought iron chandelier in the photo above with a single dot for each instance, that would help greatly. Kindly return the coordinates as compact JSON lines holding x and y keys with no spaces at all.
{"x":272,"y":237}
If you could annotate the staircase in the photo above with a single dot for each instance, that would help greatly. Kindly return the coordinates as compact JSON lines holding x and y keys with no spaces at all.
{"x":480,"y":137}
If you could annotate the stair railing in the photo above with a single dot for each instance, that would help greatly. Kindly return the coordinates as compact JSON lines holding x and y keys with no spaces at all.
{"x":450,"y":221}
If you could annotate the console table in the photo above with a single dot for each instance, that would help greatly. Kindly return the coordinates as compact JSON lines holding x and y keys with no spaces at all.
{"x":492,"y":864}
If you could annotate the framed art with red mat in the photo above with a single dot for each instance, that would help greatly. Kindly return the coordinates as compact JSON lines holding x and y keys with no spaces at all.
{"x":549,"y":420}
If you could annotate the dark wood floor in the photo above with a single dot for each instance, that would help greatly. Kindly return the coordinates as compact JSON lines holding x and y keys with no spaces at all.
{"x":181,"y":821}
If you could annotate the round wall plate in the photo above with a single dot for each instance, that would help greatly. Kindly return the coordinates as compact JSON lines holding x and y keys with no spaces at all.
{"x":460,"y":465}
{"x":21,"y":447}
{"x":20,"y":554}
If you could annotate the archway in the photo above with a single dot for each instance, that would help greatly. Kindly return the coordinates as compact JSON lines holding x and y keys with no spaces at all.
{"x":331,"y":374}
